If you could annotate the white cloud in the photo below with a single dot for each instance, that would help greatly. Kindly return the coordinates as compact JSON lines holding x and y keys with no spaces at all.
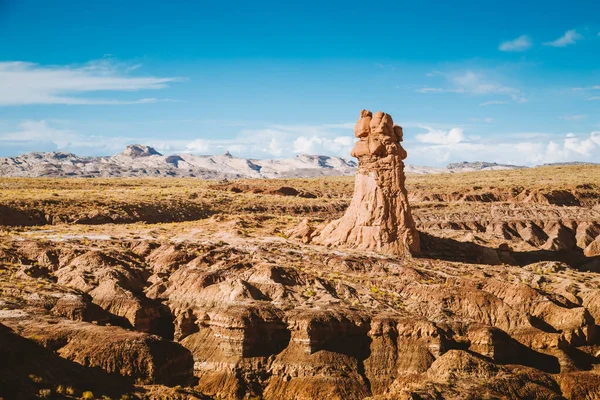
{"x":340,"y":145}
{"x":276,"y":147}
{"x":200,"y":146}
{"x":573,"y":146}
{"x":437,"y":136}
{"x":522,"y":43}
{"x":574,"y":117}
{"x":36,"y":136}
{"x":23,"y":83}
{"x":345,"y":125}
{"x":493,"y":102}
{"x":536,"y":149}
{"x":430,"y":90}
{"x":476,"y":83}
{"x":530,"y":135}
{"x":281,"y":141}
{"x":570,"y":37}
{"x":43,"y":136}
{"x":266,"y":142}
{"x":439,"y":90}
{"x":588,"y":91}
{"x":436,"y":146}
{"x":40,"y":131}
{"x":596,"y":87}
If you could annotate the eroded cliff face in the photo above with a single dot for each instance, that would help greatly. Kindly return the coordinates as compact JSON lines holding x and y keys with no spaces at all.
{"x":289,"y":321}
{"x":378,"y":218}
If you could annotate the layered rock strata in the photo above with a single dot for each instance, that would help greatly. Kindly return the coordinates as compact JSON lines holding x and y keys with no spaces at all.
{"x":378,"y":218}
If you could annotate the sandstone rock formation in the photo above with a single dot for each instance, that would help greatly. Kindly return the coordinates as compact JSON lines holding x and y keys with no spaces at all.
{"x":28,"y":370}
{"x":378,"y":217}
{"x":503,"y":301}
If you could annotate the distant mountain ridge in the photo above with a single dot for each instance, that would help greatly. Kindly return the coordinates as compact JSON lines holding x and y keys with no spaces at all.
{"x":466,"y":166}
{"x":568,"y":163}
{"x":138,"y":161}
{"x":144,"y":161}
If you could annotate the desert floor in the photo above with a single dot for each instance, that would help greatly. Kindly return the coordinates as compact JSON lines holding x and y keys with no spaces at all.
{"x":184,"y":288}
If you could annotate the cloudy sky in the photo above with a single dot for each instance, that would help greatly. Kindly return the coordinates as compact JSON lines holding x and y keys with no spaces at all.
{"x":514,"y":82}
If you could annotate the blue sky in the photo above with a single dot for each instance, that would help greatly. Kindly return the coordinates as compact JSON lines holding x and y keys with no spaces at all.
{"x":515,"y":82}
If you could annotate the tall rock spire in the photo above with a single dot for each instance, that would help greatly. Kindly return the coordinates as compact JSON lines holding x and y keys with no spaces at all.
{"x":378,"y":217}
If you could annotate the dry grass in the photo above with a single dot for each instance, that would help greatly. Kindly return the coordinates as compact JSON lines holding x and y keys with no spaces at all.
{"x":559,"y":177}
{"x":166,"y":200}
{"x":160,"y":189}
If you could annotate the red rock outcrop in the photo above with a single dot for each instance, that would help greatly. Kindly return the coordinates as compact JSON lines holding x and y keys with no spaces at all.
{"x":378,"y":217}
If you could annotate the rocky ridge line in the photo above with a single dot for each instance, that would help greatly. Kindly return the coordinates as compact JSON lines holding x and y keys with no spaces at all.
{"x":138,"y":161}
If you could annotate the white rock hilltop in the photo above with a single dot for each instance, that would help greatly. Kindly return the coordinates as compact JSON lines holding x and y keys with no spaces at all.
{"x":138,"y":161}
{"x":480,"y":166}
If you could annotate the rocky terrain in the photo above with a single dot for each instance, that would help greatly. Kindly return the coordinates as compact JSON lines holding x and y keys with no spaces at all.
{"x":144,"y":161}
{"x":384,"y":286}
{"x":178,"y":288}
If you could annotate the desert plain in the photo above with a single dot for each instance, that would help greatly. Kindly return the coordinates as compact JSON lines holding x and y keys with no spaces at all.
{"x":182,"y":288}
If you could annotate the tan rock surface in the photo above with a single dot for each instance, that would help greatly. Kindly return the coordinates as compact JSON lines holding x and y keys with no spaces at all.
{"x":130,"y":354}
{"x":378,"y":217}
{"x":593,"y":249}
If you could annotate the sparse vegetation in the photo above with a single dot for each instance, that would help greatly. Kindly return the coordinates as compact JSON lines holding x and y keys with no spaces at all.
{"x":240,"y":248}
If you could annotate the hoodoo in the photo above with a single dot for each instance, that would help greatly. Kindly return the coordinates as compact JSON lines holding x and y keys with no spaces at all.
{"x":378,"y":217}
